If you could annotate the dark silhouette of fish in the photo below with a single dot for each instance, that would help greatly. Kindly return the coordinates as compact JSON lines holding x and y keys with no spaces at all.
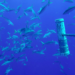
{"x":70,"y":9}
{"x":42,"y":9}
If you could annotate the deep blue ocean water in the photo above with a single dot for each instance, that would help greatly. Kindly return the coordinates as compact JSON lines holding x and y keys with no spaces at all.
{"x":37,"y":64}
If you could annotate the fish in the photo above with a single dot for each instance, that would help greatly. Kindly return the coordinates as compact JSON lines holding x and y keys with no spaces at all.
{"x":39,"y":52}
{"x":38,"y":33}
{"x":32,"y":18}
{"x":6,"y":8}
{"x":21,"y":60}
{"x":9,"y":21}
{"x":33,"y":12}
{"x":26,"y":59}
{"x":62,"y":67}
{"x":5,"y":63}
{"x":52,"y":31}
{"x":2,"y":28}
{"x":42,"y":9}
{"x":5,"y":48}
{"x":35,"y":25}
{"x":73,"y":16}
{"x":2,"y":54}
{"x":70,"y":1}
{"x":48,"y":42}
{"x":25,"y":14}
{"x":57,"y":54}
{"x":18,"y":9}
{"x":29,"y":9}
{"x":14,"y":37}
{"x":20,"y":16}
{"x":28,"y":47}
{"x":70,"y":9}
{"x":47,"y":35}
{"x":63,"y":72}
{"x":28,"y":32}
{"x":8,"y":70}
{"x":22,"y":29}
{"x":3,"y":2}
{"x":20,"y":57}
{"x":12,"y":57}
{"x":2,"y":10}
{"x":2,"y":58}
{"x":49,"y":2}
{"x":22,"y":46}
{"x":17,"y":31}
{"x":43,"y":0}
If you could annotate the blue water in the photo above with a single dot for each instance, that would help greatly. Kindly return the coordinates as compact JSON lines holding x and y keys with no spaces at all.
{"x":38,"y":64}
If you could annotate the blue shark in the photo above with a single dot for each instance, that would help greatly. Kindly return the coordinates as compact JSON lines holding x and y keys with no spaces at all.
{"x":6,"y":8}
{"x":8,"y":70}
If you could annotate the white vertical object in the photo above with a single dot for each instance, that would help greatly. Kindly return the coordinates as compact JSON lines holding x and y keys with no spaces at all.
{"x":63,"y":46}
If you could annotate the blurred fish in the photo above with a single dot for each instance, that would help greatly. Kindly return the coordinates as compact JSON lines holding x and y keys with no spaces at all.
{"x":11,"y":58}
{"x":42,"y":9}
{"x":70,"y":9}
{"x":57,"y":54}
{"x":36,"y":17}
{"x":38,"y":33}
{"x":14,"y":37}
{"x":17,"y":31}
{"x":3,"y":2}
{"x":24,"y":63}
{"x":56,"y":43}
{"x":29,"y":9}
{"x":26,"y":59}
{"x":8,"y":70}
{"x":35,"y":25}
{"x":63,"y":72}
{"x":48,"y":42}
{"x":25,"y":14}
{"x":32,"y":25}
{"x":9,"y":22}
{"x":2,"y":10}
{"x":70,"y":1}
{"x":33,"y":12}
{"x":43,"y":0}
{"x":5,"y":48}
{"x":6,"y":62}
{"x":62,"y":67}
{"x":72,"y":24}
{"x":49,"y":2}
{"x":6,"y":8}
{"x":22,"y":46}
{"x":28,"y":32}
{"x":28,"y":47}
{"x":2,"y":54}
{"x":52,"y":31}
{"x":18,"y":9}
{"x":22,"y":29}
{"x":39,"y":52}
{"x":47,"y":35}
{"x":74,"y":17}
{"x":2,"y":58}
{"x":20,"y":57}
{"x":2,"y":28}
{"x":9,"y":37}
{"x":20,"y":16}
{"x":11,"y":10}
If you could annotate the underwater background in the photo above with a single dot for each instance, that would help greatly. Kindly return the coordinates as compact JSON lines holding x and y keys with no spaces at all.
{"x":32,"y":53}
